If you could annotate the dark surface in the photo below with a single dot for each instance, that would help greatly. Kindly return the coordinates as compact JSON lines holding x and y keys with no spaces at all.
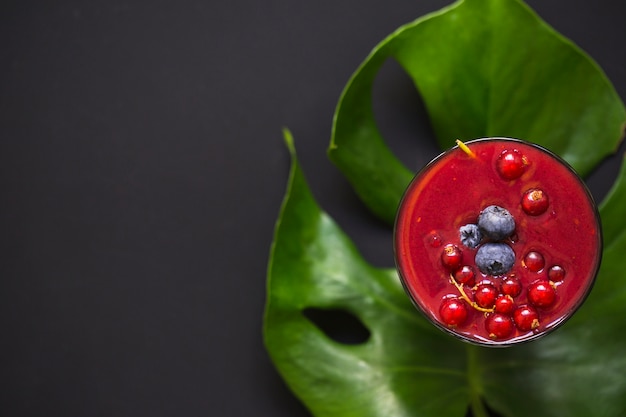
{"x":142,"y":170}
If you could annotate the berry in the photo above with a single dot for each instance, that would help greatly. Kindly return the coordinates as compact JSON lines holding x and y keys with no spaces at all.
{"x":556,"y":273}
{"x":470,"y":235}
{"x":453,"y":312}
{"x":511,"y":286}
{"x":496,"y":223}
{"x":535,"y":202}
{"x":465,"y":275}
{"x":499,"y":326}
{"x":534,"y":261}
{"x":434,"y":239}
{"x":511,"y":164}
{"x":541,"y":294}
{"x":494,"y":258}
{"x":451,"y":256}
{"x":504,"y":304}
{"x":485,"y":295}
{"x":526,"y":318}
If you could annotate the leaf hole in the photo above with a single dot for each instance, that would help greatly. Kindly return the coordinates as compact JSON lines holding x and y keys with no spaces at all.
{"x":339,"y":325}
{"x":604,"y":175}
{"x":401,"y":117}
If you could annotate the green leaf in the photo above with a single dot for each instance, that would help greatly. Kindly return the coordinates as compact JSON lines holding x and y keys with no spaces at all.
{"x":483,"y":68}
{"x":408,"y":367}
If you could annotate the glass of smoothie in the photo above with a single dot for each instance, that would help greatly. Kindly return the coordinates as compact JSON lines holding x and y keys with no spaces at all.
{"x":497,"y":241}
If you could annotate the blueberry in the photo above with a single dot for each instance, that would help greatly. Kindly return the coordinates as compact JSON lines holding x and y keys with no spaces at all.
{"x":494,"y":258}
{"x":496,"y":223}
{"x":470,"y":235}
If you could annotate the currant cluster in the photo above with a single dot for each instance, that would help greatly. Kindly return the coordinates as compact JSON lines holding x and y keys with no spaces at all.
{"x":490,"y":284}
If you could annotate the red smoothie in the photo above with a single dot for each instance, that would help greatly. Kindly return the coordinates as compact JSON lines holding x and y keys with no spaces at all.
{"x":497,"y":241}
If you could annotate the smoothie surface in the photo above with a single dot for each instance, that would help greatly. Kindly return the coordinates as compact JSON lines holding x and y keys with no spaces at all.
{"x":453,"y":189}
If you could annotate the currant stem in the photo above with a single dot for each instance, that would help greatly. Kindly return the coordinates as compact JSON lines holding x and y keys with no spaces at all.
{"x":465,"y":149}
{"x":467,"y":299}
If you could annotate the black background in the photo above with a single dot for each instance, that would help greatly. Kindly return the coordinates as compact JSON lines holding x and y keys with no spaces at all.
{"x":141,"y":172}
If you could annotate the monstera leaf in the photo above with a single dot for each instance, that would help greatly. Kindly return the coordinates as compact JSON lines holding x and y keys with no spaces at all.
{"x":484,"y":68}
{"x":407,"y":367}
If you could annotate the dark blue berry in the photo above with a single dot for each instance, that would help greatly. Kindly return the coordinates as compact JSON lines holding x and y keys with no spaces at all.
{"x":495,"y":258}
{"x":470,"y":235}
{"x":496,"y":223}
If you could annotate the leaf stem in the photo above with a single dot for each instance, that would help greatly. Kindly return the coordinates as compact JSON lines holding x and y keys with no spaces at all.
{"x":476,"y":403}
{"x":477,"y":407}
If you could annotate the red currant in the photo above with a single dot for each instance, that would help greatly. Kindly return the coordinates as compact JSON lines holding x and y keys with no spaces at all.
{"x":556,"y":273}
{"x":534,"y":261}
{"x":485,"y":295}
{"x":504,"y":304}
{"x":511,"y":286}
{"x":453,"y":312}
{"x":526,"y":318}
{"x":541,"y":294}
{"x":451,"y":256}
{"x":535,"y":202}
{"x":511,"y":164}
{"x":499,"y":326}
{"x":465,"y":275}
{"x":434,"y":239}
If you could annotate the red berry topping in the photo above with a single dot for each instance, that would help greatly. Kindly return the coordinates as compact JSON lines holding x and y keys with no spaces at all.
{"x":497,"y":242}
{"x":451,"y":256}
{"x":535,"y":202}
{"x":465,"y":275}
{"x":526,"y":318}
{"x":511,"y":286}
{"x":556,"y":273}
{"x":504,"y":304}
{"x":534,"y":261}
{"x":434,"y":239}
{"x":485,"y":295}
{"x":499,"y":326}
{"x":541,"y":294}
{"x":453,"y":312}
{"x":511,"y":164}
